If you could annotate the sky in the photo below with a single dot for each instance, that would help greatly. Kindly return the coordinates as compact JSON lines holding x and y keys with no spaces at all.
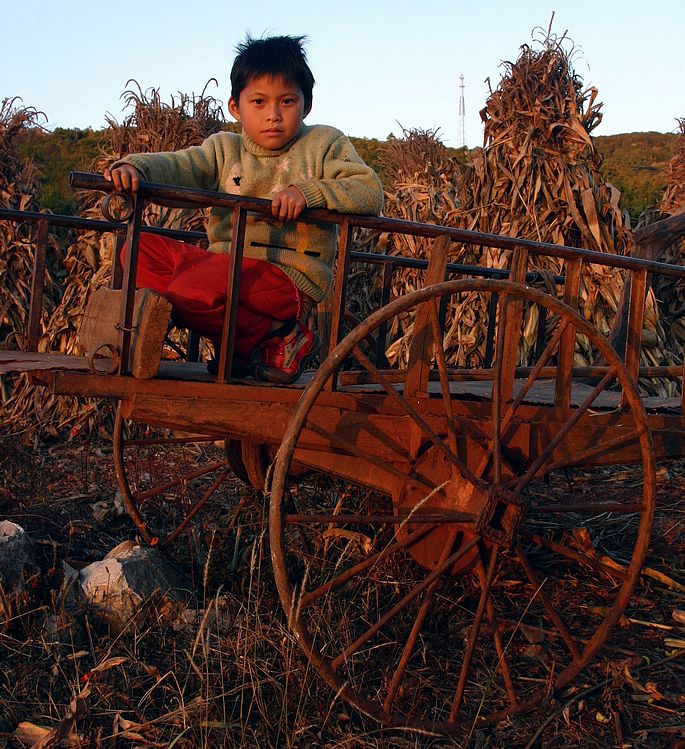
{"x":380,"y":67}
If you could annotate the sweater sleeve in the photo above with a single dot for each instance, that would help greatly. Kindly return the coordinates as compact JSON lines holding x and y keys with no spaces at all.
{"x":348,"y":185}
{"x":198,"y":167}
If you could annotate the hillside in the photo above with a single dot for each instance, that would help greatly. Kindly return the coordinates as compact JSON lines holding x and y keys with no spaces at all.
{"x":635,"y":163}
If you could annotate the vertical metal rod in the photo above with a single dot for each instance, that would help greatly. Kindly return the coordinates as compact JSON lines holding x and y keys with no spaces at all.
{"x":382,"y":331}
{"x":232,"y":292}
{"x":193,"y":353}
{"x":117,"y":268}
{"x":37,"y":277}
{"x":492,"y":326}
{"x":339,"y":292}
{"x":129,"y":284}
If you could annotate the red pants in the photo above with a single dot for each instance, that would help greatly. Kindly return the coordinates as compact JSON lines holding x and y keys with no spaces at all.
{"x":194,"y":281}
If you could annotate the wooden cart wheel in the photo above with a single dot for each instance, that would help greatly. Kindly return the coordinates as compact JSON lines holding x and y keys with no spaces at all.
{"x":170,"y":481}
{"x":504,"y":551}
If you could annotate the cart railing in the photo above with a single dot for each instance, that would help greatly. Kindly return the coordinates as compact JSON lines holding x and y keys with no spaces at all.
{"x":332,"y":313}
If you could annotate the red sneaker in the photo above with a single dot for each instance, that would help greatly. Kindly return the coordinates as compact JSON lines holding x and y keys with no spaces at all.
{"x":281,"y":358}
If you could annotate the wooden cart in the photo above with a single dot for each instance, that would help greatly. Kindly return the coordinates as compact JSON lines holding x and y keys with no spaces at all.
{"x":487,"y":551}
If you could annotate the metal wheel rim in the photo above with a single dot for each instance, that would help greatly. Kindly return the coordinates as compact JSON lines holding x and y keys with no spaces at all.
{"x":298,"y":421}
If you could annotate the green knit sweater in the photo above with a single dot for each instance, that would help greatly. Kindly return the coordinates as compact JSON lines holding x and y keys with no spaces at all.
{"x":321,"y":162}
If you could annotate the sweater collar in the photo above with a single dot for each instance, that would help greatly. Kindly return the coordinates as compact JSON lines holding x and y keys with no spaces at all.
{"x":258,"y":150}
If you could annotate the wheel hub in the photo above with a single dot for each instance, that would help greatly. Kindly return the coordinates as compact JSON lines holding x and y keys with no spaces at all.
{"x":455,"y":495}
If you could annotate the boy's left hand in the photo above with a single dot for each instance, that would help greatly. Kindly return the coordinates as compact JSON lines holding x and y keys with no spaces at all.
{"x":288,"y":204}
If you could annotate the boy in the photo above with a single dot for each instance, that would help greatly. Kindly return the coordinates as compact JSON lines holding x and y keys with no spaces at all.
{"x":285,"y":268}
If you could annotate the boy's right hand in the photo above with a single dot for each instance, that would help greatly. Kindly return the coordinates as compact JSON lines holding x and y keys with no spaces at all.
{"x":124,"y":177}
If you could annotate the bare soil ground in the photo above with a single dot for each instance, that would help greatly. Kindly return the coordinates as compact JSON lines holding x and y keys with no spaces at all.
{"x":233,"y":676}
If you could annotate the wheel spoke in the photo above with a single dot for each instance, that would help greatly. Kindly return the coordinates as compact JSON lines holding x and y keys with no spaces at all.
{"x":603,"y":447}
{"x":140,"y":497}
{"x":403,"y":603}
{"x":533,"y":375}
{"x":586,"y":560}
{"x":473,"y":635}
{"x":416,"y":416}
{"x":502,"y":662}
{"x":501,"y":423}
{"x":563,"y":431}
{"x":551,"y":612}
{"x":593,"y":506}
{"x":308,"y":598}
{"x":415,"y":630}
{"x":402,"y":518}
{"x":195,"y":509}
{"x":442,"y":372}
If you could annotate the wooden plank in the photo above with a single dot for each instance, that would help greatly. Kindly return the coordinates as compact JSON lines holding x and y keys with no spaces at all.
{"x":98,"y":330}
{"x":509,"y":327}
{"x":636,"y":314}
{"x":421,"y":349}
{"x":567,"y":345}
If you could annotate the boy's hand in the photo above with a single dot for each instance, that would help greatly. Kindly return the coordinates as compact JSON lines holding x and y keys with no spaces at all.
{"x":124,"y":177}
{"x":288,"y":204}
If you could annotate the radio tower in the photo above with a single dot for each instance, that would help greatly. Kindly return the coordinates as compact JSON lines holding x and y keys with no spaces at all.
{"x":462,"y":114}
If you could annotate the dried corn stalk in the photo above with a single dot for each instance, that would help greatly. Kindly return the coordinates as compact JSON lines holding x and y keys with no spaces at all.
{"x":152,"y":126}
{"x":537,"y":177}
{"x":670,"y":293}
{"x":18,"y":184}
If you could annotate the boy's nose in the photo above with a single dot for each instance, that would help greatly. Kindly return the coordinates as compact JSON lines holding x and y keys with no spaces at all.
{"x":274,"y":114}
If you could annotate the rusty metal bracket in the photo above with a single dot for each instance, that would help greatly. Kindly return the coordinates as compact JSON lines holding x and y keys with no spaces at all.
{"x":502,"y":515}
{"x":123,"y":210}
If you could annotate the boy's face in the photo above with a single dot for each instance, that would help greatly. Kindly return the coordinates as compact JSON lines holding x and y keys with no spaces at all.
{"x":271,"y":110}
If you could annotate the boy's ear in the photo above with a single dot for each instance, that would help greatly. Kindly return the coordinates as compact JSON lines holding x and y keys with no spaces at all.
{"x":307,"y":110}
{"x":233,"y":108}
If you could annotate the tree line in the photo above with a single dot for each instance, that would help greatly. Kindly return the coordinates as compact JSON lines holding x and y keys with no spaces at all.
{"x":635,"y":163}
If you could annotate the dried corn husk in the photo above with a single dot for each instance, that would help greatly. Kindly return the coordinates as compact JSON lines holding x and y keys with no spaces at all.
{"x":152,"y":126}
{"x":670,"y":293}
{"x":537,"y":177}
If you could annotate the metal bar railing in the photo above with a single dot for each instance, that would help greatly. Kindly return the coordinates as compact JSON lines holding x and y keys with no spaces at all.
{"x":187,"y":197}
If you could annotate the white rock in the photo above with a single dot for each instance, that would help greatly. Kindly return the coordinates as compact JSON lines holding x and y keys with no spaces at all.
{"x":134,"y":586}
{"x":16,"y":557}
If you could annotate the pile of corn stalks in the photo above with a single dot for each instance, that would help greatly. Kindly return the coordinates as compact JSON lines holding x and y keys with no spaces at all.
{"x":671,"y":295}
{"x":18,"y":185}
{"x":151,"y":126}
{"x":537,"y":177}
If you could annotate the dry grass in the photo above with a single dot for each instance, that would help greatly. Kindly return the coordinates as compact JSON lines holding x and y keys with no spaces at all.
{"x":231,"y":675}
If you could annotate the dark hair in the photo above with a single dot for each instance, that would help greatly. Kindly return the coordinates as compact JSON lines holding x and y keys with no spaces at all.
{"x":273,"y":56}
